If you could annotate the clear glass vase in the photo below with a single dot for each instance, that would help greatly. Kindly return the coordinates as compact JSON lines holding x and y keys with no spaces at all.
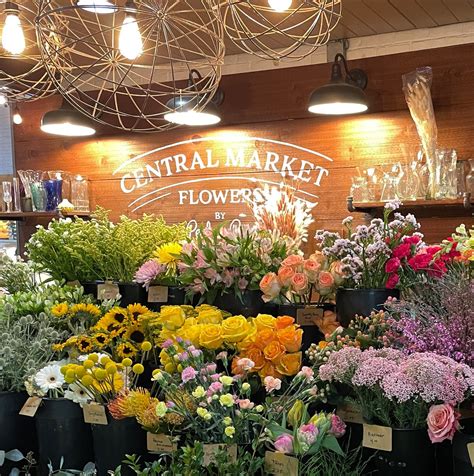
{"x":359,"y":192}
{"x":445,"y":174}
{"x":80,"y":193}
{"x":470,"y":178}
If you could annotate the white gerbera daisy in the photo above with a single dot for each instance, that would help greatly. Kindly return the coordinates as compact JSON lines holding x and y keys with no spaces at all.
{"x":49,"y":378}
{"x":76,"y":394}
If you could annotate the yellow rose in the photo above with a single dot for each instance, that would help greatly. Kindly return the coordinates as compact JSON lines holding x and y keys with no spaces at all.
{"x":191,"y":333}
{"x":274,"y":350}
{"x":235,"y":329}
{"x":172,"y":317}
{"x":289,"y":364}
{"x":249,"y":339}
{"x":211,"y":336}
{"x":264,"y":321}
{"x":209,"y":316}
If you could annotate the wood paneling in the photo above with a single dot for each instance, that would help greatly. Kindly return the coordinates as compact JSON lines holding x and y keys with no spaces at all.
{"x":272,"y":105}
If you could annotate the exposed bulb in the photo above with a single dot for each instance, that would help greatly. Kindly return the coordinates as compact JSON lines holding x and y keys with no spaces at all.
{"x":17,"y":119}
{"x":100,"y":7}
{"x":130,"y":39}
{"x":13,"y":38}
{"x":3,"y":100}
{"x":279,"y":5}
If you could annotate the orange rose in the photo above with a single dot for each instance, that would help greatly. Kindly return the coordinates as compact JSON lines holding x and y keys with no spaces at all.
{"x":318,"y":257}
{"x":290,"y":337}
{"x":269,"y":370}
{"x":264,"y":337}
{"x":293,"y":261}
{"x":270,"y":286}
{"x":274,"y":350}
{"x":289,"y":364}
{"x":299,"y":283}
{"x":256,"y":355}
{"x":285,"y":273}
{"x":284,"y":321}
{"x":312,"y":268}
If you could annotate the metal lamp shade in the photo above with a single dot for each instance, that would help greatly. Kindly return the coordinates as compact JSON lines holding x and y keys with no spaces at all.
{"x":337,"y":99}
{"x":66,"y":122}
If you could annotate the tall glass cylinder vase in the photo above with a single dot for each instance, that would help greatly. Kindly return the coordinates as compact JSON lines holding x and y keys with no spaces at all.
{"x":38,"y":196}
{"x":80,"y":193}
{"x":445,"y":174}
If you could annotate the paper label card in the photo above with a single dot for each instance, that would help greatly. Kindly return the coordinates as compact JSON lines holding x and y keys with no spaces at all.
{"x":349,"y":413}
{"x":30,"y":407}
{"x":470,"y":450}
{"x":280,"y":464}
{"x":160,"y":443}
{"x":377,"y":437}
{"x":107,"y":291}
{"x":306,"y":316}
{"x":158,"y":294}
{"x":210,"y":452}
{"x":94,"y":414}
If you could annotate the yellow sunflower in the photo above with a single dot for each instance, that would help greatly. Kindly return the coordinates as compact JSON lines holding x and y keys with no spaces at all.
{"x":136,"y":311}
{"x":60,"y":310}
{"x":91,"y":309}
{"x":126,"y":349}
{"x":84,"y":344}
{"x":101,"y":339}
{"x":114,"y":320}
{"x":135,"y":334}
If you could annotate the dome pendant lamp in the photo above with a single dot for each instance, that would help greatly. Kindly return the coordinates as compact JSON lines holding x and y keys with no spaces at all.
{"x":187,"y":110}
{"x":67,"y":122}
{"x":341,"y":95}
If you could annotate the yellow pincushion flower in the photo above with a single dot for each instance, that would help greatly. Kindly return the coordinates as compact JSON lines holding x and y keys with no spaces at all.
{"x":60,"y":310}
{"x":168,"y":254}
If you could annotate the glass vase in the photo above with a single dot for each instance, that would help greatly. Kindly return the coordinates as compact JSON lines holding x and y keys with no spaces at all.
{"x":359,"y":192}
{"x":470,"y":178}
{"x":80,"y":193}
{"x":38,"y":196}
{"x":445,"y":174}
{"x":53,"y":189}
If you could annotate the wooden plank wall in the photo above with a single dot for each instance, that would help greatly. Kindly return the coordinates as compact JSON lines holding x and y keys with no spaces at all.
{"x":272,"y":105}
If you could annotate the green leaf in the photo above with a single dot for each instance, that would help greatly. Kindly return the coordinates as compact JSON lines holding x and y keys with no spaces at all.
{"x":331,"y":443}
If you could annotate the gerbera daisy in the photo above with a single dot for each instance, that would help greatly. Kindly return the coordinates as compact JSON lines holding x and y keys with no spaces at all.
{"x":126,"y":349}
{"x":49,"y":378}
{"x":60,"y":310}
{"x":76,"y":393}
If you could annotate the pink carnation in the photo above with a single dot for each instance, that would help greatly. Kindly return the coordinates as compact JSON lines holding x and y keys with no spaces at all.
{"x":246,"y":404}
{"x":272,"y":383}
{"x":188,"y":374}
{"x":338,"y":427}
{"x":392,"y":265}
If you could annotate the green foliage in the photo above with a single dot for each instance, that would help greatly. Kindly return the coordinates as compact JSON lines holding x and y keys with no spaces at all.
{"x":15,"y":275}
{"x":97,"y":249}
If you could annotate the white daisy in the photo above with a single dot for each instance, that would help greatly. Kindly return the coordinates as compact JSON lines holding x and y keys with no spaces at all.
{"x":76,"y":394}
{"x":49,"y":378}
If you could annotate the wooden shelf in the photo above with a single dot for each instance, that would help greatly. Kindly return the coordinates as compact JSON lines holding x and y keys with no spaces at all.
{"x":463,"y":206}
{"x":22,"y":216}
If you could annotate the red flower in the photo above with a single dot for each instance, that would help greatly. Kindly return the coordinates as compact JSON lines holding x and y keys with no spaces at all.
{"x":402,"y":251}
{"x":420,"y":261}
{"x":412,"y":240}
{"x":392,"y":281}
{"x":392,"y":265}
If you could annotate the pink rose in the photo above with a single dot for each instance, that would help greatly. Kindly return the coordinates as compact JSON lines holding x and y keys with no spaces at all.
{"x":285,"y":273}
{"x":311,"y":268}
{"x":392,"y":281}
{"x":337,"y":273}
{"x":272,"y":383}
{"x":326,"y":279}
{"x":293,"y":261}
{"x":246,"y":404}
{"x":299,"y":283}
{"x":443,"y":421}
{"x":318,"y":257}
{"x":270,"y":286}
{"x":392,"y":265}
{"x":284,"y":443}
{"x":338,"y":427}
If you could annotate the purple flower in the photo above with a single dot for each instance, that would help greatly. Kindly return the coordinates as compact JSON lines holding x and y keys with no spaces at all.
{"x":167,"y":343}
{"x":148,"y":271}
{"x":338,"y":427}
{"x":188,"y":374}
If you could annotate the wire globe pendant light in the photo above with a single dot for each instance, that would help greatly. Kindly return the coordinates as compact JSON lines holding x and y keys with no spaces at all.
{"x":121,"y":69}
{"x":280,"y":29}
{"x":23,"y":76}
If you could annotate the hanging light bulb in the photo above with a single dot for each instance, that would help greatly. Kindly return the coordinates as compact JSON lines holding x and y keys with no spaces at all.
{"x":279,"y":5}
{"x":13,"y":38}
{"x":97,"y":6}
{"x":130,"y":39}
{"x":17,"y":119}
{"x":3,"y":99}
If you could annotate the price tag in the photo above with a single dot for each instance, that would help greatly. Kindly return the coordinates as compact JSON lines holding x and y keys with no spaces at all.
{"x":470,"y":450}
{"x":30,"y":407}
{"x":160,"y":443}
{"x":306,"y":316}
{"x":158,"y":294}
{"x":73,"y":284}
{"x":377,"y":437}
{"x":280,"y":464}
{"x":210,"y":452}
{"x":107,"y":291}
{"x":349,"y":413}
{"x":94,"y":414}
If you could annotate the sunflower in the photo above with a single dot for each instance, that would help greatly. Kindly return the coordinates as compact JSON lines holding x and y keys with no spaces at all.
{"x":60,"y":310}
{"x":136,"y":311}
{"x":113,"y":321}
{"x":126,"y":349}
{"x":135,"y":334}
{"x":84,"y":344}
{"x":90,"y":309}
{"x":58,"y":347}
{"x":101,"y":339}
